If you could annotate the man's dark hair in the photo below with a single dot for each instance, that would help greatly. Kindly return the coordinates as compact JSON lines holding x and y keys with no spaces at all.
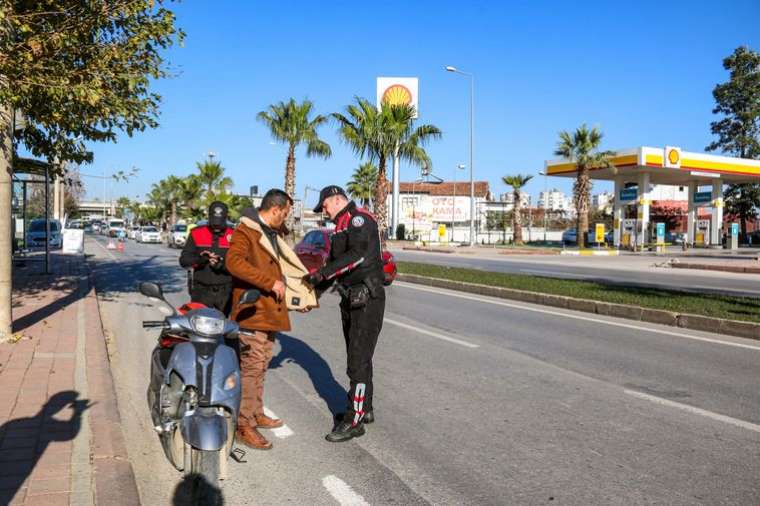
{"x":275,"y":198}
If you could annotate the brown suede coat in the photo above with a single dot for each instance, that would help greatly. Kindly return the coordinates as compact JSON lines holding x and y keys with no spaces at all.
{"x":253,"y":264}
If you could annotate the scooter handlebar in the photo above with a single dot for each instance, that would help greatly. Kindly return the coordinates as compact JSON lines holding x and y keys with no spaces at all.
{"x":153,"y":324}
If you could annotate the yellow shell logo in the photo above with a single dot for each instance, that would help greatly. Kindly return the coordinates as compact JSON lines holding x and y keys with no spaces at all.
{"x":397,"y":94}
{"x":673,"y":156}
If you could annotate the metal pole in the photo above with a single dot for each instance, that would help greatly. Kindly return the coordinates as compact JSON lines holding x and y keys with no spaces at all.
{"x":545,"y":206}
{"x":453,"y":204}
{"x":47,"y":220}
{"x":472,"y":163}
{"x":23,"y":214}
{"x":395,"y":196}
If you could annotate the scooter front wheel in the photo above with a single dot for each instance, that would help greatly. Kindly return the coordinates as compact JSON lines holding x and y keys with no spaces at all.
{"x":204,"y":469}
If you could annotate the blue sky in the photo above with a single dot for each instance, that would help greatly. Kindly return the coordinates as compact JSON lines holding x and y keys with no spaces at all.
{"x":642,"y":71}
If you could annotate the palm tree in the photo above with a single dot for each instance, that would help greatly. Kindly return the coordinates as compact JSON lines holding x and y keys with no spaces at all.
{"x":172,"y":187}
{"x":289,"y":122}
{"x":362,"y":183}
{"x":211,"y":176}
{"x":122,"y":204}
{"x":190,"y":196}
{"x":516,"y":182}
{"x":160,"y":200}
{"x":582,"y":147}
{"x":381,"y":135}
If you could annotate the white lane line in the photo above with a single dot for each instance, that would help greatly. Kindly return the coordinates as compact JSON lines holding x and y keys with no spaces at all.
{"x":279,"y":432}
{"x":443,"y":291}
{"x":697,"y":411}
{"x":105,"y":249}
{"x":342,"y":492}
{"x":432,"y":334}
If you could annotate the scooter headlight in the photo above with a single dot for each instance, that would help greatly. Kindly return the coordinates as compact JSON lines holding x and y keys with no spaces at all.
{"x":231,"y":381}
{"x":207,"y":326}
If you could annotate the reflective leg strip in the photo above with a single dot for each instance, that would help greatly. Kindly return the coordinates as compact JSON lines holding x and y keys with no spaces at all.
{"x":358,"y":403}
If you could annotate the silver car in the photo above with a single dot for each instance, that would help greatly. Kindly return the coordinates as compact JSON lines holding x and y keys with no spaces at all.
{"x":148,"y":234}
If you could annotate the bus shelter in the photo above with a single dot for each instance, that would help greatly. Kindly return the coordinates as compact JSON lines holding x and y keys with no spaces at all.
{"x":635,"y":171}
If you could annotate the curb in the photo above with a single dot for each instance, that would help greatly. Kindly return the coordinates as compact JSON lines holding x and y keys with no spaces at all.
{"x":714,"y":267}
{"x":736,"y":328}
{"x":113,"y":476}
{"x":591,"y":252}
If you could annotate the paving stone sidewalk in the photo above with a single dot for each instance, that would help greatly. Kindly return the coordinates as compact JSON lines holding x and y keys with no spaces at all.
{"x":61,"y":440}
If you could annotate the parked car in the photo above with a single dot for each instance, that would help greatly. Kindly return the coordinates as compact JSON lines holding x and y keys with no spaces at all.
{"x":148,"y":233}
{"x":570,"y":237}
{"x":314,"y":250}
{"x":177,"y":236}
{"x":35,"y":235}
{"x":132,"y":232}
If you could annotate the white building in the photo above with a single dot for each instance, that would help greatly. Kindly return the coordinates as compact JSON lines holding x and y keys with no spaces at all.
{"x":602,"y":201}
{"x":509,"y":198}
{"x":425,"y":207}
{"x":555,"y":200}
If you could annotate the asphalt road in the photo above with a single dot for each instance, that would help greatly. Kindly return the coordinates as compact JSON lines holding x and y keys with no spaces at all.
{"x":626,"y":270}
{"x":478,"y":401}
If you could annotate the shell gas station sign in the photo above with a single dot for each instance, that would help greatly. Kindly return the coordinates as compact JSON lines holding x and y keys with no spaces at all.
{"x":398,"y":91}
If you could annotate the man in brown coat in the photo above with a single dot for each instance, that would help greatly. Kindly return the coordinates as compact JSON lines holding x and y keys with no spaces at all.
{"x":254,"y":260}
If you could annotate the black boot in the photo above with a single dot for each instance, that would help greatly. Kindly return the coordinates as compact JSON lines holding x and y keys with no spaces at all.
{"x":345,"y":431}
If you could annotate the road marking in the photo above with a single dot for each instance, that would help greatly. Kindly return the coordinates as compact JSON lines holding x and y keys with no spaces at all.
{"x":443,"y":291}
{"x":105,"y":249}
{"x":697,"y":411}
{"x":279,"y":432}
{"x":432,"y":334}
{"x":342,"y":492}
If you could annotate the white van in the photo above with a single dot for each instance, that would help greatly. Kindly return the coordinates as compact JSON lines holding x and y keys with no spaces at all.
{"x":115,"y":225}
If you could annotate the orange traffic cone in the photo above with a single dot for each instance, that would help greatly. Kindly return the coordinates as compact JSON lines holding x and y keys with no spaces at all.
{"x":120,"y":247}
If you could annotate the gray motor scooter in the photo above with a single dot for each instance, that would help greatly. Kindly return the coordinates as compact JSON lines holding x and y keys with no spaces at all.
{"x":194,"y":391}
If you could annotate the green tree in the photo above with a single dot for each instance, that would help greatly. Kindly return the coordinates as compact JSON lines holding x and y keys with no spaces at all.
{"x":291,"y":123}
{"x":78,"y":72}
{"x":122,"y":205}
{"x":212,"y":178}
{"x":738,"y":131}
{"x":582,"y":147}
{"x":191,"y":197}
{"x":381,"y":135}
{"x":516,"y":182}
{"x":362,"y":183}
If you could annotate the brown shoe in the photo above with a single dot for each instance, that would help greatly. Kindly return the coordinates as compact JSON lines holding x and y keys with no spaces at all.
{"x":264,"y":422}
{"x":252,"y":438}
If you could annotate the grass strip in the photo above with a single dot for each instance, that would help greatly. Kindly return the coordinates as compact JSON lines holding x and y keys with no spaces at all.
{"x":714,"y":305}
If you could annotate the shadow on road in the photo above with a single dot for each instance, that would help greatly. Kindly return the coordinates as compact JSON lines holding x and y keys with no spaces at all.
{"x":295,"y":350}
{"x":29,"y":437}
{"x":194,"y":490}
{"x":126,"y":273}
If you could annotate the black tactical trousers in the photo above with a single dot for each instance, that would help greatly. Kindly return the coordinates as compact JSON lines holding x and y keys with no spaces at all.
{"x":361,"y":327}
{"x":213,"y":296}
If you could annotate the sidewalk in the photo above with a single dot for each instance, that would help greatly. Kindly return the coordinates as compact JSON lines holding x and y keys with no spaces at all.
{"x":60,"y":434}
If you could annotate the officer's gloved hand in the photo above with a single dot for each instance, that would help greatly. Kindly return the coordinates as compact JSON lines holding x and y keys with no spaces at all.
{"x":313,"y":278}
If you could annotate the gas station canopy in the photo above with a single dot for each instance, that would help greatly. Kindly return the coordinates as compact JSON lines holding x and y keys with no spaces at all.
{"x":635,"y":170}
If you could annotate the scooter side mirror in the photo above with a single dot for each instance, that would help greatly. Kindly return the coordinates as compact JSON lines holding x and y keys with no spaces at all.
{"x":249,"y":297}
{"x":152,"y":290}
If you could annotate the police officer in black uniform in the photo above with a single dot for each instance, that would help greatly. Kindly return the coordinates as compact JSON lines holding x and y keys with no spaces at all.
{"x":204,"y":253}
{"x":356,"y":266}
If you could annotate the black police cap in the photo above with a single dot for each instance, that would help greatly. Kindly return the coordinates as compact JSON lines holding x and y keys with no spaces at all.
{"x":328,"y":191}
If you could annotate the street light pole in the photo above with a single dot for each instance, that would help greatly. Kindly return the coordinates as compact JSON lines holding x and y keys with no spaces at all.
{"x":545,"y":204}
{"x":472,"y":148}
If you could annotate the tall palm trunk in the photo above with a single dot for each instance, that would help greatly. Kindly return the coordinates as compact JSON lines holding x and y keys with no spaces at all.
{"x":516,"y":220}
{"x":290,"y":189}
{"x":174,"y":213}
{"x":581,"y":190}
{"x":6,"y":184}
{"x":381,"y":197}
